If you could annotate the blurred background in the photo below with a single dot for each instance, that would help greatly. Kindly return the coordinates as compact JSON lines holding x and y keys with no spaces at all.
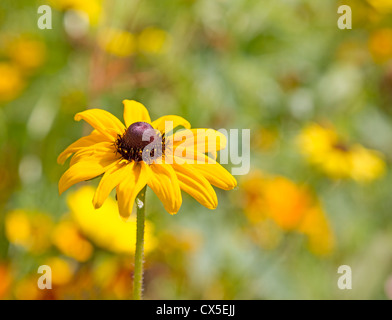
{"x":318,"y":101}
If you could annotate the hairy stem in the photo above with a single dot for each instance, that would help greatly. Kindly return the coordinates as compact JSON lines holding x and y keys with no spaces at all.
{"x":139,"y":252}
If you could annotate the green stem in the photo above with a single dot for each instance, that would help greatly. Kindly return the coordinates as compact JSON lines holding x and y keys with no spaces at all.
{"x":139,"y":252}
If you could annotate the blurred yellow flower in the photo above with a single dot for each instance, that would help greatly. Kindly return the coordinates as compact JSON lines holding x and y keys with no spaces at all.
{"x":366,"y":164}
{"x":27,"y":289}
{"x":380,"y":45}
{"x":27,"y":54}
{"x":276,"y":198}
{"x":252,"y":188}
{"x":118,"y":42}
{"x":323,"y":148}
{"x":11,"y":81}
{"x":104,"y":226}
{"x":152,"y":40}
{"x":62,"y":270}
{"x":112,"y":276}
{"x":315,"y":225}
{"x":384,"y":6}
{"x":67,"y":238}
{"x":92,"y":8}
{"x":291,"y":207}
{"x":287,"y":213}
{"x":29,"y":230}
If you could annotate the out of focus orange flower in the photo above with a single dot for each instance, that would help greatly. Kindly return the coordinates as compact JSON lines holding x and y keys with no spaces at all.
{"x":27,"y":54}
{"x":11,"y":81}
{"x":276,"y":198}
{"x":315,"y":225}
{"x":62,"y":270}
{"x":27,"y":289}
{"x":68,"y":239}
{"x":285,"y":202}
{"x":380,"y":45}
{"x":291,"y":207}
{"x":5,"y":280}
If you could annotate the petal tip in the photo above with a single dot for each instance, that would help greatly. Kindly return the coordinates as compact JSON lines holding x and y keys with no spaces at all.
{"x":77,"y":117}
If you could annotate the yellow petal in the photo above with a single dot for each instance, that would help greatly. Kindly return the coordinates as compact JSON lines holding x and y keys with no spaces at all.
{"x":136,"y":177}
{"x":96,"y":151}
{"x":103,"y":121}
{"x":175,"y":121}
{"x":188,"y":155}
{"x":163,"y":181}
{"x":109,"y":181}
{"x":202,"y":140}
{"x":84,"y":170}
{"x":217,"y":175}
{"x":193,"y":183}
{"x":92,"y":138}
{"x":134,"y":112}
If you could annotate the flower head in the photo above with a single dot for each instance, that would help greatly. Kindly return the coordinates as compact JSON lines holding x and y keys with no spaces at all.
{"x":29,"y":230}
{"x":11,"y":81}
{"x":380,"y":45}
{"x":135,"y":155}
{"x":324,"y":148}
{"x":290,"y":207}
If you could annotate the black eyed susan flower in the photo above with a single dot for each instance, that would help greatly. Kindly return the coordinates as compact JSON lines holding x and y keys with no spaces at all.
{"x":129,"y":162}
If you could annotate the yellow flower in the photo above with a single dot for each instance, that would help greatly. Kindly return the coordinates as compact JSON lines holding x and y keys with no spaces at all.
{"x":62,"y":270}
{"x":29,"y":230}
{"x":27,"y":289}
{"x":323,"y":148}
{"x":321,"y":240}
{"x":27,"y":53}
{"x":117,"y":42}
{"x":252,"y":188}
{"x":288,"y":213}
{"x":384,"y":6}
{"x":380,"y":45}
{"x":103,"y":226}
{"x":152,"y":40}
{"x":275,"y":198}
{"x":93,"y":8}
{"x":366,"y":164}
{"x":67,"y":238}
{"x":274,"y":204}
{"x":119,"y":152}
{"x":11,"y":81}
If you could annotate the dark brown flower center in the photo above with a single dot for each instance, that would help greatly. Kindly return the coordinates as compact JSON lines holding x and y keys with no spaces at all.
{"x":140,"y":142}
